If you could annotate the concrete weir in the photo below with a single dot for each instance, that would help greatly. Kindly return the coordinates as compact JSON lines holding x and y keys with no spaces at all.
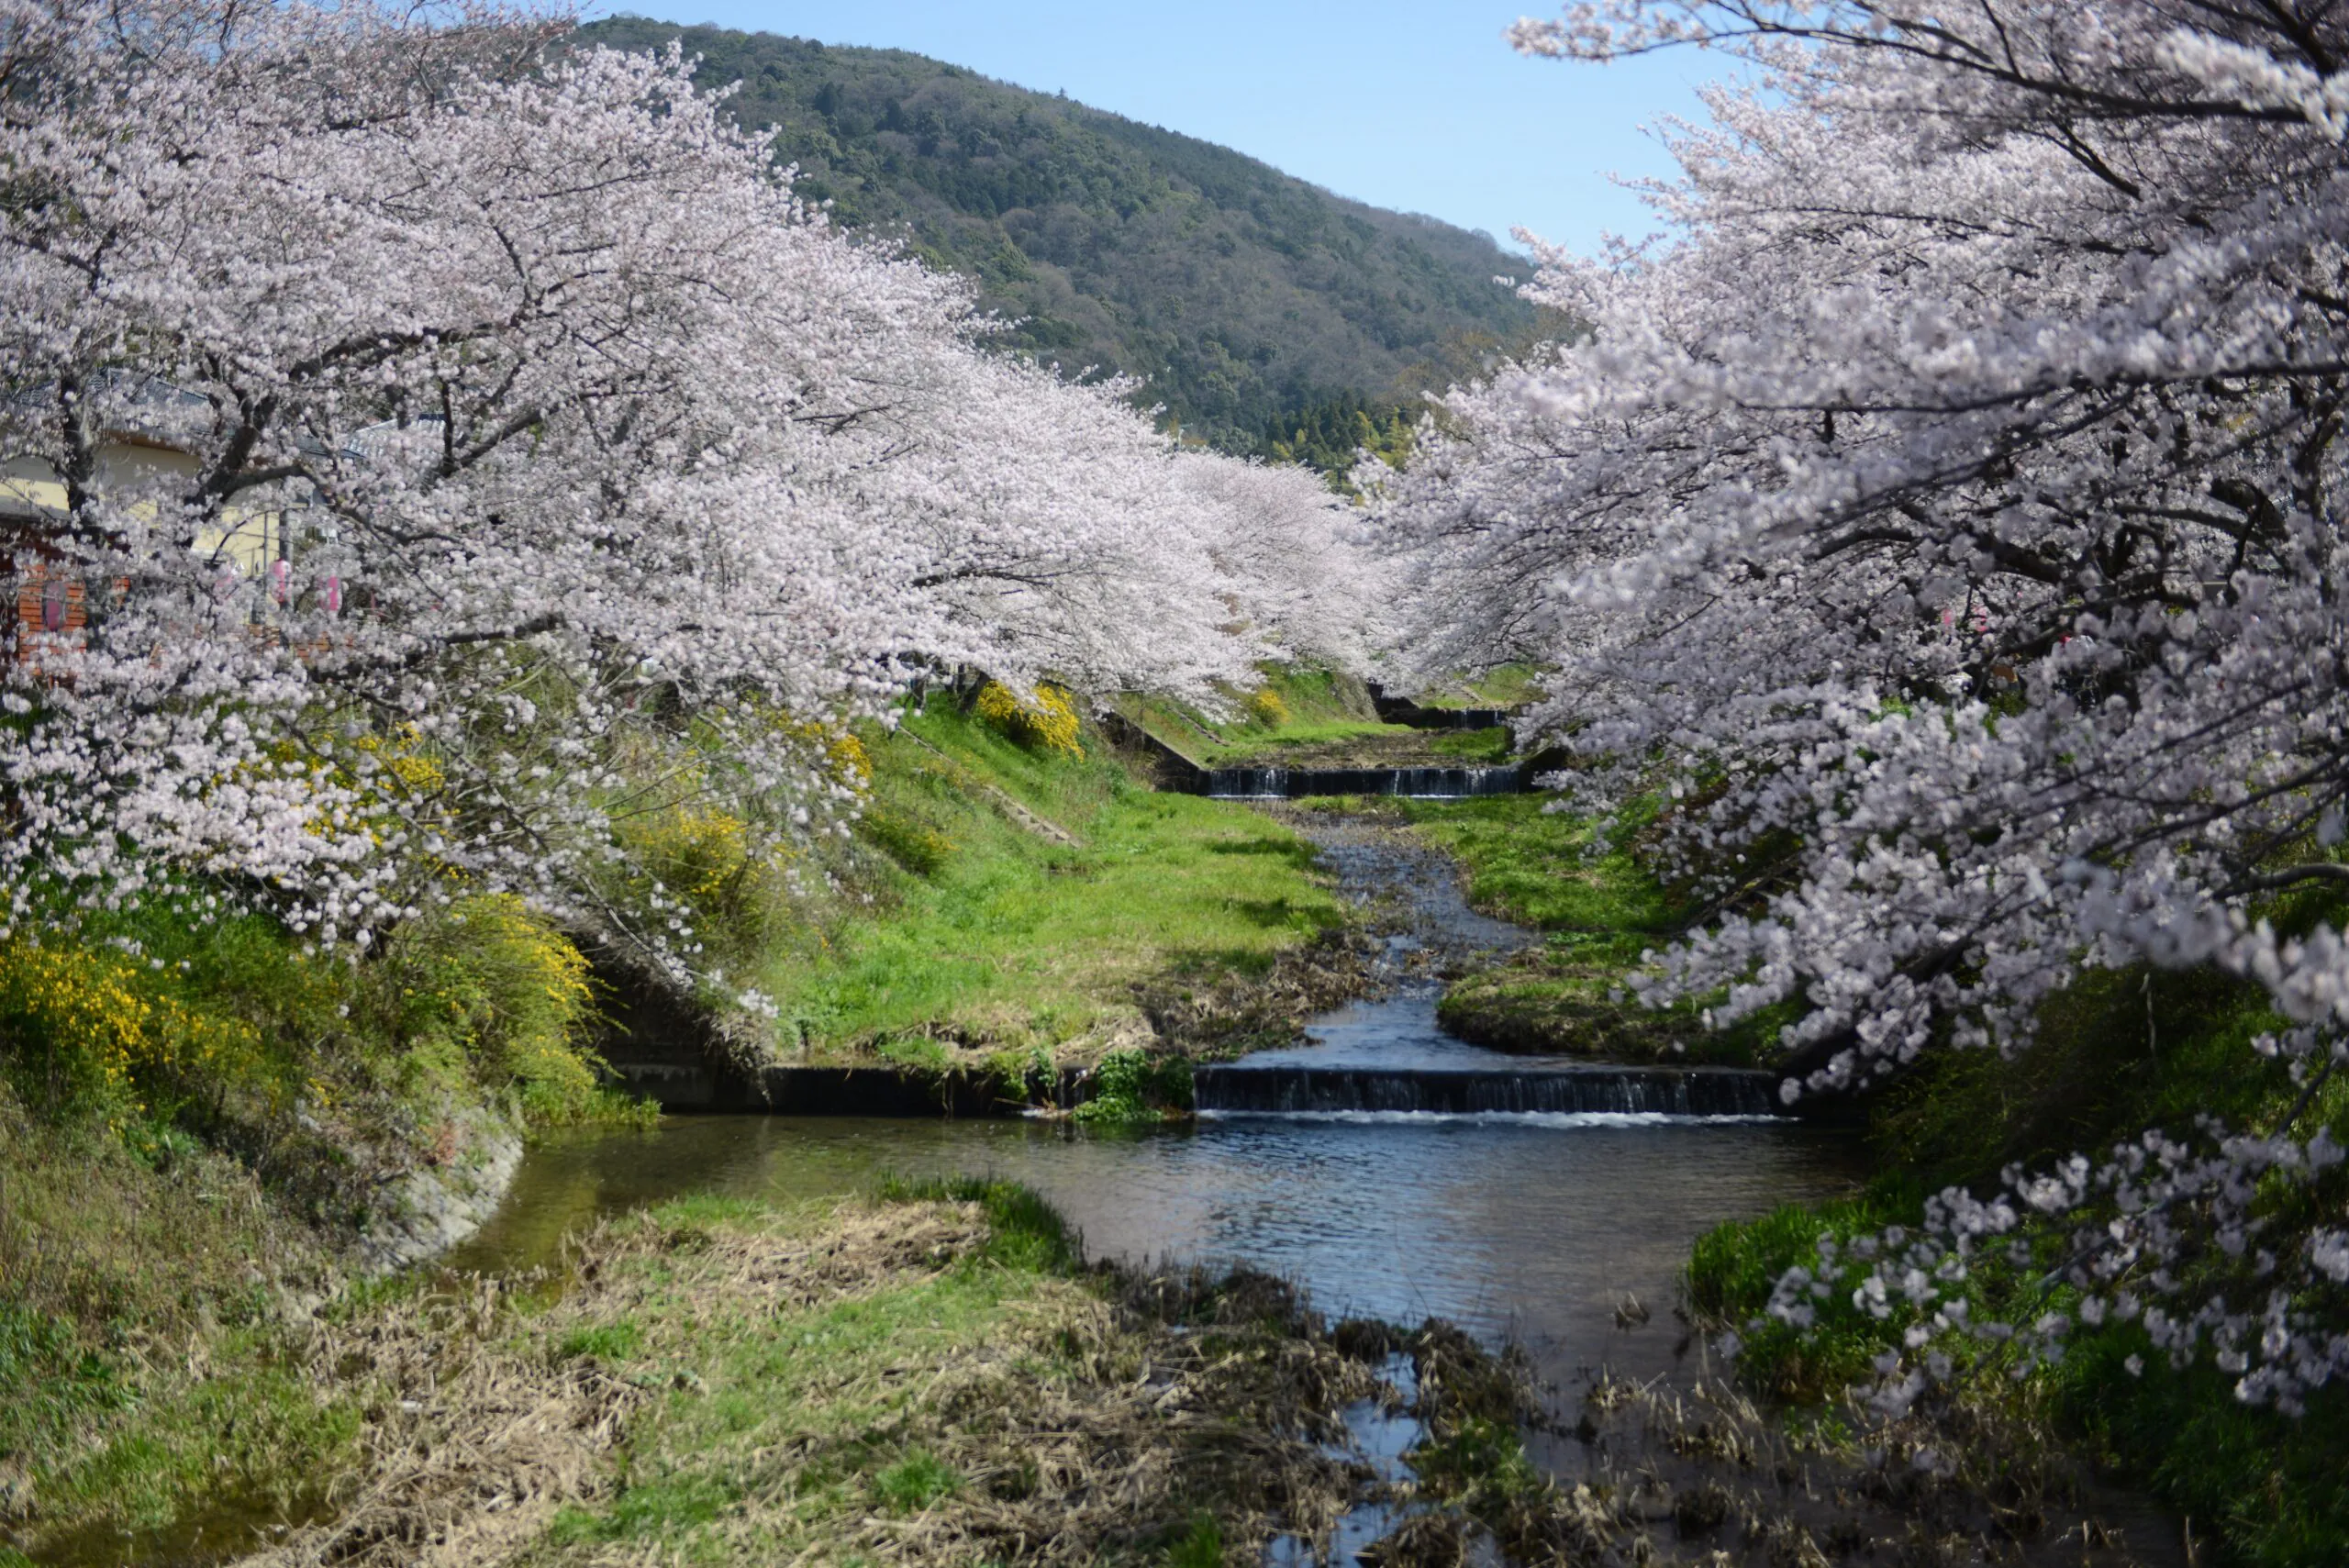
{"x":1179,"y":773}
{"x":1289,"y":783}
{"x":1297,"y":1089}
{"x":843,"y":1091}
{"x":1230,"y":1088}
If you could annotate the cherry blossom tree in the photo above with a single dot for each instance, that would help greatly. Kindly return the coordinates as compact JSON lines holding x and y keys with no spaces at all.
{"x":1297,"y":566}
{"x":1950,"y":518}
{"x":454,"y":446}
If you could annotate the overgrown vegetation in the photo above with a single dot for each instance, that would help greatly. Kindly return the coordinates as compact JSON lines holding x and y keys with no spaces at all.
{"x":181,"y":1014}
{"x":231,"y":1103}
{"x":197,"y":1117}
{"x":2118,"y":1050}
{"x":1134,"y":1087}
{"x":932,"y":1375}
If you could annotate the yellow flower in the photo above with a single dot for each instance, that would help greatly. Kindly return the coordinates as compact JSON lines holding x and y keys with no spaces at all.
{"x":1046,"y":721}
{"x":107,"y":1019}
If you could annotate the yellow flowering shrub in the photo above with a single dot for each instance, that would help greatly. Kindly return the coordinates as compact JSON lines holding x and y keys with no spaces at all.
{"x":845,"y":757}
{"x":1045,"y":722}
{"x":94,"y":1025}
{"x":1269,"y":708}
{"x":490,"y":983}
{"x":697,"y":854}
{"x":402,"y":764}
{"x":845,"y":754}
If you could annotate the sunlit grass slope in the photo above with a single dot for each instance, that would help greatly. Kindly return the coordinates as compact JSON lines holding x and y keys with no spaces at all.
{"x":983,"y":931}
{"x":1295,"y":708}
{"x":1598,"y":909}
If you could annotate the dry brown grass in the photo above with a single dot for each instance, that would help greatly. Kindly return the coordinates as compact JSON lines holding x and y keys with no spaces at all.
{"x":1081,"y":1418}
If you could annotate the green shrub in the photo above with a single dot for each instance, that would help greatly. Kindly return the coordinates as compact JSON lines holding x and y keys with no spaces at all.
{"x":1131,"y":1086}
{"x":490,"y":990}
{"x":1734,"y":1267}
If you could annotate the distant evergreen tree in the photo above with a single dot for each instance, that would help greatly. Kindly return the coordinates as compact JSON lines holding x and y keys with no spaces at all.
{"x":1328,"y":433}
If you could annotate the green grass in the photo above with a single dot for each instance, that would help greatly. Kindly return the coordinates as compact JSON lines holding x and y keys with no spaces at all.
{"x":1271,"y":745}
{"x":1294,"y":708}
{"x":1199,"y":1546}
{"x":797,"y":1420}
{"x":1600,"y":910}
{"x":996,"y":939}
{"x":2117,"y":1051}
{"x":141,"y":1367}
{"x":926,"y":1375}
{"x":2272,"y":1490}
{"x":1536,"y":867}
{"x":1510,"y":685}
{"x":1024,"y":1233}
{"x":1486,"y":747}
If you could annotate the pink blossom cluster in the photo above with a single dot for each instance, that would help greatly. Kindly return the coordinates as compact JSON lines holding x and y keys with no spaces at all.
{"x":593,"y":470}
{"x":1949,"y":518}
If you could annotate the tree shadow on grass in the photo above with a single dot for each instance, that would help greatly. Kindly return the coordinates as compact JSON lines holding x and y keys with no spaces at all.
{"x":1297,"y":851}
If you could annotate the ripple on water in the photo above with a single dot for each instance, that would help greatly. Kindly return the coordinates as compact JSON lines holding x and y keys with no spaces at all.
{"x":1527,"y":1226}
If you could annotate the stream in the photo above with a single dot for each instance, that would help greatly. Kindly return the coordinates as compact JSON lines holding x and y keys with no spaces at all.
{"x":1530,"y":1228}
{"x":1527,"y":1227}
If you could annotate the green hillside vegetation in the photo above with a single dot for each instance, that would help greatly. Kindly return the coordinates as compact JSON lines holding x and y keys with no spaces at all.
{"x":1242,"y":295}
{"x":1298,"y":712}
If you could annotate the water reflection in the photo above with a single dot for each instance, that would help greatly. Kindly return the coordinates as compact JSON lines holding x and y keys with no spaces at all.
{"x":1513,"y":1230}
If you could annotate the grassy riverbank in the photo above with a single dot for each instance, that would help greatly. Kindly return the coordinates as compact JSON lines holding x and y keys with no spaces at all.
{"x":929,"y":1377}
{"x":250,"y":1125}
{"x":1022,"y":903}
{"x":1294,"y":710}
{"x":1597,"y":908}
{"x":2117,"y":1052}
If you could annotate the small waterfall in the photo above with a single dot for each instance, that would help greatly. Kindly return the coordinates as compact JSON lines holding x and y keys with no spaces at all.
{"x":1431,"y":783}
{"x":1403,"y":710}
{"x":1622,"y":1091}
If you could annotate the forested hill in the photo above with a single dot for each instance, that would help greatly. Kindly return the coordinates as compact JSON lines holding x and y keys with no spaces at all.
{"x":1243,"y":295}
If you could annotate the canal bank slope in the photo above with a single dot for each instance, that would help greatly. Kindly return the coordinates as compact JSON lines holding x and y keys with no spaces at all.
{"x":210,"y":1136}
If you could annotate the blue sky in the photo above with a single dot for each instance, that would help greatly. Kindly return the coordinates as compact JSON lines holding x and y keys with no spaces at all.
{"x":1417,"y":106}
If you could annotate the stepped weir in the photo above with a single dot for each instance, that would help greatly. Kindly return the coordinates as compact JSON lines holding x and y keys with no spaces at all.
{"x":1265,"y":784}
{"x":1296,"y":1089}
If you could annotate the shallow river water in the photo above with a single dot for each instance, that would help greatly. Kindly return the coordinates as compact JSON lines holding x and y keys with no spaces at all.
{"x":1525,"y":1227}
{"x":1534,"y":1231}
{"x":1531,"y":1229}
